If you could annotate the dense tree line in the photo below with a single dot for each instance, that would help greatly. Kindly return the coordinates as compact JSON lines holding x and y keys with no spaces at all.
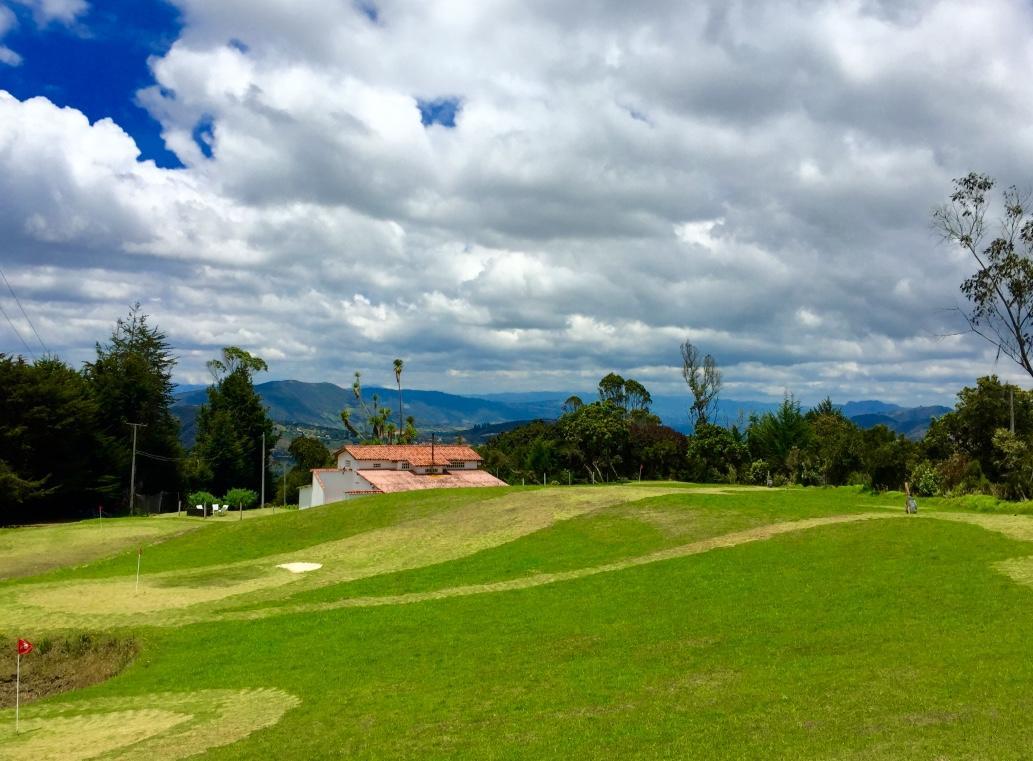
{"x":66,"y":439}
{"x":613,"y":438}
{"x":971,"y":449}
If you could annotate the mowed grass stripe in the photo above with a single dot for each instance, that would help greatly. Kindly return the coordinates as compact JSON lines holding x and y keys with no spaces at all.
{"x":600,"y":536}
{"x":31,"y":550}
{"x":878,"y":639}
{"x":230,"y":541}
{"x":760,"y":533}
{"x":850,"y":636}
{"x":437,"y":535}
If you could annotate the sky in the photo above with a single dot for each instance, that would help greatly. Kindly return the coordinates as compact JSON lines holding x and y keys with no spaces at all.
{"x":511,"y":195}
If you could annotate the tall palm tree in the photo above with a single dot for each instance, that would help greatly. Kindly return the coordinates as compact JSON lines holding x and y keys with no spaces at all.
{"x":399,"y":366}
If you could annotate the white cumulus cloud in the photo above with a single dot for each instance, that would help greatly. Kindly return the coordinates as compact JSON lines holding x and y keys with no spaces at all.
{"x":758,"y":176}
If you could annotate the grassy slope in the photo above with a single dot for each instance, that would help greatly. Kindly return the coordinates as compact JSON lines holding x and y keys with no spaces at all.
{"x":884,"y":640}
{"x":228,"y":541}
{"x":35,"y":549}
{"x":620,"y":532}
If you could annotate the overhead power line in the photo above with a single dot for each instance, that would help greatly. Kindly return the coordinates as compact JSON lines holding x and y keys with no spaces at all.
{"x":24,"y":313}
{"x":15,"y":329}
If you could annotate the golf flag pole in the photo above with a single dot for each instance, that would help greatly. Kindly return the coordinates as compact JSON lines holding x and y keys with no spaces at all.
{"x":24,"y":648}
{"x":139,"y":557}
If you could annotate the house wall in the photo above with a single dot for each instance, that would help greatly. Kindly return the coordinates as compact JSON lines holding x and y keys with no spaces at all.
{"x":330,"y":486}
{"x":336,"y":484}
{"x":379,"y":464}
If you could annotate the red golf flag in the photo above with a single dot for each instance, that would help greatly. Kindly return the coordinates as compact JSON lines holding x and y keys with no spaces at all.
{"x":24,"y":647}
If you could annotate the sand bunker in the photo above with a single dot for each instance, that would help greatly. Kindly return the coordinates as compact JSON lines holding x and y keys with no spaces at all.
{"x":300,"y":567}
{"x":157,"y":727}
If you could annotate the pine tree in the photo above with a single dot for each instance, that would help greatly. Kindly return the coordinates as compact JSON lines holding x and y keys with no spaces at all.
{"x":53,"y":453}
{"x":131,"y":381}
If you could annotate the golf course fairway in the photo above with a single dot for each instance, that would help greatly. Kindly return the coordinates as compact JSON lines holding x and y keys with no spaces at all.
{"x":653,"y":620}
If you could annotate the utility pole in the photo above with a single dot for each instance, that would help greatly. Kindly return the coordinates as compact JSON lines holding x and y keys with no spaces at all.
{"x":285,"y":484}
{"x":132,"y":476}
{"x":262,"y":504}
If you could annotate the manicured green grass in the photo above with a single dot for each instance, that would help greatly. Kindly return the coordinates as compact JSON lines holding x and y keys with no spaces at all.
{"x":31,"y":550}
{"x":607,"y":535}
{"x":226,"y":541}
{"x":891,"y":638}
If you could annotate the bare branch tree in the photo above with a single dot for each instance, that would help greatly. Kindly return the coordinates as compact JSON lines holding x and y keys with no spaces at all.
{"x":1001,"y":290}
{"x":704,"y":382}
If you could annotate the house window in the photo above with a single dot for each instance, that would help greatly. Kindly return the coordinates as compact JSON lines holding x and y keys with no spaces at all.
{"x":376,"y":465}
{"x":405,"y":464}
{"x":457,"y":464}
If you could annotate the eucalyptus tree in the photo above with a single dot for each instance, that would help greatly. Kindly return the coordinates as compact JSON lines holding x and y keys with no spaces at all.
{"x":1000,"y":293}
{"x":704,"y":381}
{"x":572,"y":403}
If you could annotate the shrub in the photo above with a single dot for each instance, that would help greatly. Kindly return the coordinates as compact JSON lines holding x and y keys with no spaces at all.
{"x":860,"y":478}
{"x":952,"y":471}
{"x":241,"y":497}
{"x":757,"y":472}
{"x":201,"y":498}
{"x":973,"y":481}
{"x":925,"y":480}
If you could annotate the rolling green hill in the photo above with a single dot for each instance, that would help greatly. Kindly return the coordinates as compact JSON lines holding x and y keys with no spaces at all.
{"x":646,"y":621}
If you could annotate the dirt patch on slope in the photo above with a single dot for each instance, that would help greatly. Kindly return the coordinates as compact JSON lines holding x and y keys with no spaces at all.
{"x":63,"y":664}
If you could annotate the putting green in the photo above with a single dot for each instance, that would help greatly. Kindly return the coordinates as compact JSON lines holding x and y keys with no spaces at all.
{"x":29,"y":550}
{"x":156,"y":727}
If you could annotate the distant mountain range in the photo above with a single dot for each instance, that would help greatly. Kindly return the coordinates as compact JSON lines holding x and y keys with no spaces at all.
{"x":913,"y":422}
{"x":319,"y":405}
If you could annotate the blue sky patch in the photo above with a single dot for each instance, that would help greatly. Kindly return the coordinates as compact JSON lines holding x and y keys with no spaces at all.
{"x":439,"y":111}
{"x":369,"y":10}
{"x":96,"y":65}
{"x":204,"y":135}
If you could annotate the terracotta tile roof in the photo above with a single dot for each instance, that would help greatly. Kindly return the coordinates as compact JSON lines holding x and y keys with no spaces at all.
{"x":416,"y":454}
{"x":389,"y":481}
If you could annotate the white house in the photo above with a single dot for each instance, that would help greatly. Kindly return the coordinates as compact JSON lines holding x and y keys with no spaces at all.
{"x":384,"y":468}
